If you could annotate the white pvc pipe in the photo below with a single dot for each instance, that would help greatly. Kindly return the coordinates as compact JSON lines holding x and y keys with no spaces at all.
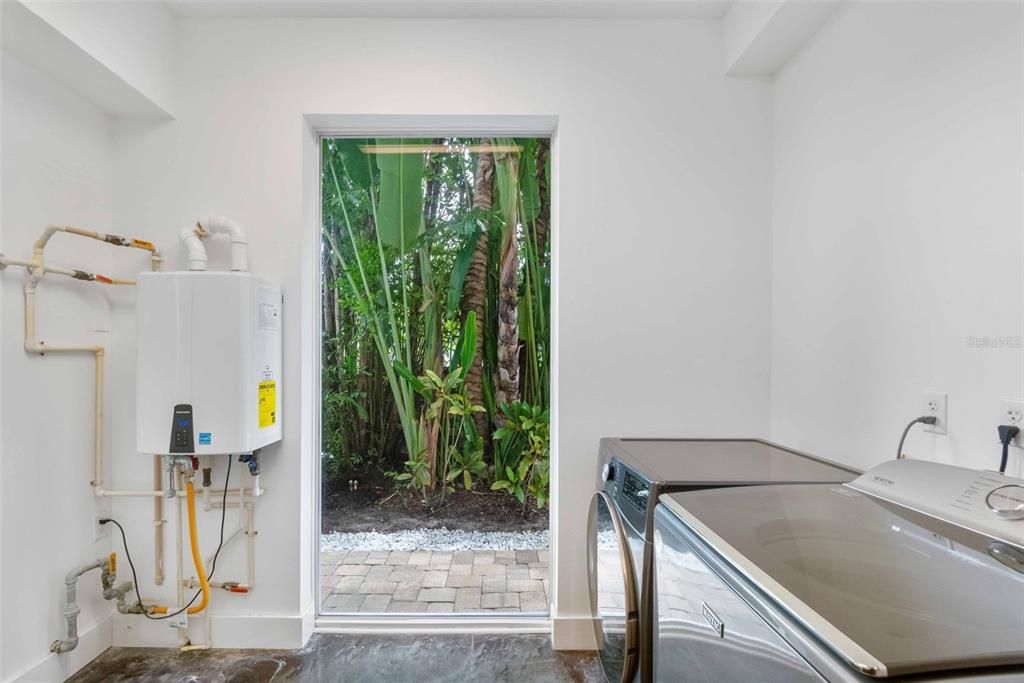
{"x":158,"y":524}
{"x":190,"y":237}
{"x":239,"y":244}
{"x":37,"y":269}
{"x":143,"y":493}
{"x":193,"y":234}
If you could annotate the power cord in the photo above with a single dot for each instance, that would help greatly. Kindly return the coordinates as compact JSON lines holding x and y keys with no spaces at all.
{"x":213,"y":563}
{"x":1006,"y":436}
{"x":924,"y":419}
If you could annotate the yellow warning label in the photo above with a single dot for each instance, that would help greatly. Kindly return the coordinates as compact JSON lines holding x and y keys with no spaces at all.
{"x":267,"y":404}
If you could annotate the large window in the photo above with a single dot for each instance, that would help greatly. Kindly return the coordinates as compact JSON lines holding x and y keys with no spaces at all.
{"x":435,"y":358}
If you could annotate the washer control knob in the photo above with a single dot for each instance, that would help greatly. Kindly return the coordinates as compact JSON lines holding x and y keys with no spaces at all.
{"x":1007,"y":502}
{"x":607,"y":472}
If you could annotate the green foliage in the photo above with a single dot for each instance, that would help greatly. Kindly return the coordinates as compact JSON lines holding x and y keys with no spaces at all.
{"x":400,"y":211}
{"x":468,"y":462}
{"x":448,"y":406}
{"x":399,"y":232}
{"x":526,"y":457}
{"x":416,"y":475}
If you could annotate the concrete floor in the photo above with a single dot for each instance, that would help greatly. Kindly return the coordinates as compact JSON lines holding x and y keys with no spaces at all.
{"x":338,"y":658}
{"x":424,"y":581}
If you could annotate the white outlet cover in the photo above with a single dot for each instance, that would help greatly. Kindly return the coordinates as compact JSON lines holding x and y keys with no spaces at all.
{"x":936,"y":404}
{"x":100,"y":531}
{"x":102,"y":511}
{"x":1012,"y":413}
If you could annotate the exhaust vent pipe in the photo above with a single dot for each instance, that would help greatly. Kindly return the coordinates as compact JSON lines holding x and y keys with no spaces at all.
{"x":192,"y":236}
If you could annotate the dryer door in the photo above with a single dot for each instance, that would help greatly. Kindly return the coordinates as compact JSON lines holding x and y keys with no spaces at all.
{"x":613,"y":591}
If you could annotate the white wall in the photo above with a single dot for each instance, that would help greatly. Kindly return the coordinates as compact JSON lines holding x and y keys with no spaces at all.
{"x":134,"y":40}
{"x":57,"y":167}
{"x":897,"y":219}
{"x":663,"y":232}
{"x":885,"y":177}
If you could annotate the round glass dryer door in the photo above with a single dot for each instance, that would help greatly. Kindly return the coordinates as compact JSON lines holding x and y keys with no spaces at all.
{"x":613,"y":593}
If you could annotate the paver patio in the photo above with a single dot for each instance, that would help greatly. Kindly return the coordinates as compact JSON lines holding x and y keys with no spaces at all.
{"x":425,"y":581}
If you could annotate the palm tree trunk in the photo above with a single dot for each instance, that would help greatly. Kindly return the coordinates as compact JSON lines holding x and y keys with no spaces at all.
{"x":544,"y":210}
{"x":507,"y":389}
{"x":474,"y":289}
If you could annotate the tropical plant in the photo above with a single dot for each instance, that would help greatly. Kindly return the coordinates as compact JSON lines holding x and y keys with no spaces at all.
{"x":468,"y":462}
{"x":527,"y":438}
{"x":396,"y":215}
{"x":474,"y":287}
{"x":421,"y":237}
{"x":449,"y":408}
{"x":507,"y":173}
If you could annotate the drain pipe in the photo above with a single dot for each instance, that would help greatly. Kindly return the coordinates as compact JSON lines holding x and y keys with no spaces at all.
{"x":108,"y":579}
{"x":71,"y":609}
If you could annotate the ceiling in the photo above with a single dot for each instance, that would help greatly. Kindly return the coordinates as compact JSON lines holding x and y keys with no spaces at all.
{"x":450,"y":9}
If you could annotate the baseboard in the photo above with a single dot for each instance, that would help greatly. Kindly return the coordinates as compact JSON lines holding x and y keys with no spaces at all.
{"x":258,"y":632}
{"x":573,"y":633}
{"x":434,"y":624}
{"x":308,"y":622}
{"x":247,"y":632}
{"x":92,"y":642}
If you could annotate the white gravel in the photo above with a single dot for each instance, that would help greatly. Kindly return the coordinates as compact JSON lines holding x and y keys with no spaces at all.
{"x":435,"y":539}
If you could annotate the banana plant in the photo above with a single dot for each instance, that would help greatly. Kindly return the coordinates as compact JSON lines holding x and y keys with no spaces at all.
{"x":449,"y":407}
{"x":396,"y":209}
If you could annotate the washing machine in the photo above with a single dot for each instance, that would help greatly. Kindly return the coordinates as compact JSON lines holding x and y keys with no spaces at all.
{"x":634,"y":473}
{"x":912,"y":572}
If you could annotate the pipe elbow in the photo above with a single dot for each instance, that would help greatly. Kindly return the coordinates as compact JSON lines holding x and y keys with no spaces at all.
{"x":59,"y":646}
{"x":48,"y":232}
{"x":227,"y":226}
{"x":239,"y":242}
{"x":190,"y":237}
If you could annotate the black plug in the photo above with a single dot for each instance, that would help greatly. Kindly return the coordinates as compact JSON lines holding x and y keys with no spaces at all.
{"x":1006,"y":436}
{"x":105,"y":520}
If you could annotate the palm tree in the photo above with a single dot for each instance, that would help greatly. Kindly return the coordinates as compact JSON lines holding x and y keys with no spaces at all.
{"x":474,"y":289}
{"x":507,"y":385}
{"x":544,"y":212}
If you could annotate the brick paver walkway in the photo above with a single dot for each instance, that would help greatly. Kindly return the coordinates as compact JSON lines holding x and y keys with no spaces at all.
{"x":424,"y":581}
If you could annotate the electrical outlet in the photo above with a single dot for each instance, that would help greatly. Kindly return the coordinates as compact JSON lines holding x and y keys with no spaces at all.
{"x":101,"y":510}
{"x":1012,"y":413}
{"x":100,"y":531}
{"x":936,"y":405}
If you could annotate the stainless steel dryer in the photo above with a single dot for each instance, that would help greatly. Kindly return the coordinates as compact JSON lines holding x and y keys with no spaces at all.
{"x":621,"y":526}
{"x":912,"y":572}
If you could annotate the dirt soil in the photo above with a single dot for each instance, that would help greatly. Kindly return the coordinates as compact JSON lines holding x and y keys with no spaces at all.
{"x":381,"y":508}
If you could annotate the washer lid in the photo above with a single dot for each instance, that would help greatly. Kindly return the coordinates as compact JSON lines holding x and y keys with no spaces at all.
{"x":717,"y":462}
{"x":890,"y":590}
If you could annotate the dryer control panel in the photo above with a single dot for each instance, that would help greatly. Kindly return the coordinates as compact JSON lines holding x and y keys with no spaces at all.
{"x":986,"y":502}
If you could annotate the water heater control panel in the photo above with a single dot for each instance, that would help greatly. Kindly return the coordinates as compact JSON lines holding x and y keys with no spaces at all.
{"x":182,"y":440}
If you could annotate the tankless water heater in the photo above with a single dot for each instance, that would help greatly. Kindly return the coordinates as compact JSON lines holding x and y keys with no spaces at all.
{"x":208,"y":363}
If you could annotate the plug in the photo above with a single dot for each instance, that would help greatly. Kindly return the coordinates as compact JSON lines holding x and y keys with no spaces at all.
{"x":1007,"y":433}
{"x":1006,"y":436}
